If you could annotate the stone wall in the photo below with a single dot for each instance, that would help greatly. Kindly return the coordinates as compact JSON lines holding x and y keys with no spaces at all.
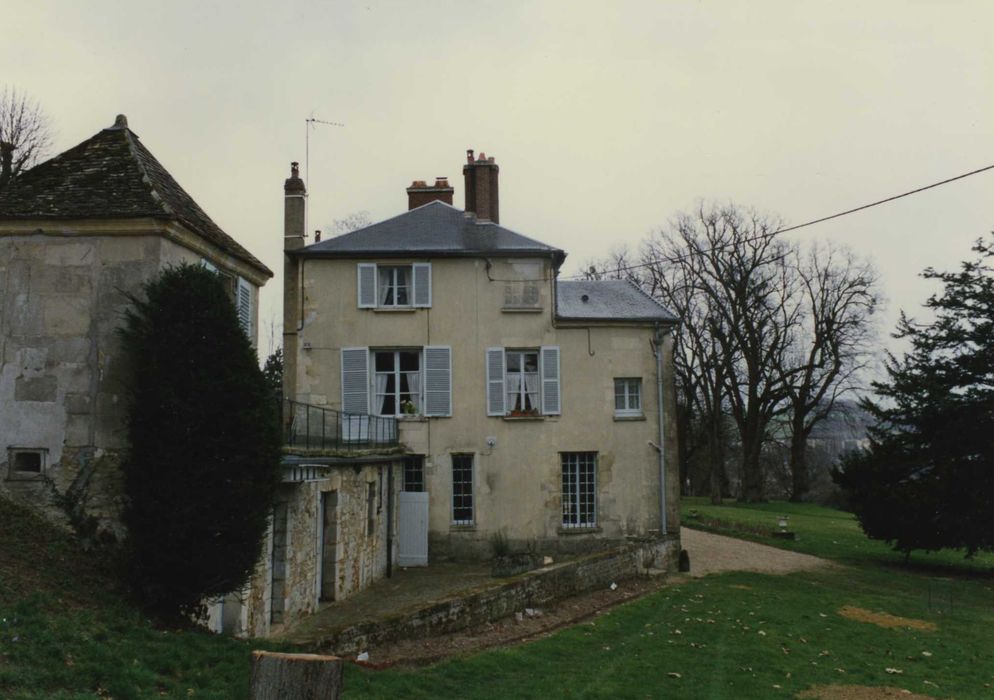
{"x":533,"y":589}
{"x":360,"y":554}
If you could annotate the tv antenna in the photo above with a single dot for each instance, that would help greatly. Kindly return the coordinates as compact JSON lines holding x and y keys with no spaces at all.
{"x":309,"y":123}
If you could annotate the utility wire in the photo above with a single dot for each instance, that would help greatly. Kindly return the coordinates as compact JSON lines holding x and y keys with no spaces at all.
{"x":770,"y":234}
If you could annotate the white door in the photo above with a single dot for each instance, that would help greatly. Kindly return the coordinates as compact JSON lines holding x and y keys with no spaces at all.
{"x":412,"y":528}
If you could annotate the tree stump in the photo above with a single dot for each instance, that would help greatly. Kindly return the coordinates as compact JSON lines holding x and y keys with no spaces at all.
{"x":278,"y":676}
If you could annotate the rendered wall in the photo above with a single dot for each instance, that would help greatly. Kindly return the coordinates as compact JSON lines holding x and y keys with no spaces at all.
{"x":62,"y":375}
{"x":517,"y":483}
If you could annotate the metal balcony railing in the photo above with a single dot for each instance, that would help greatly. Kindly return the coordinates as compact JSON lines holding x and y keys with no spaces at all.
{"x":318,"y":428}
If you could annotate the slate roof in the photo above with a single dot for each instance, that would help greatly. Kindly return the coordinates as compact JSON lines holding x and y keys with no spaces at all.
{"x":112,"y":175}
{"x":435,"y":229}
{"x":607,"y":300}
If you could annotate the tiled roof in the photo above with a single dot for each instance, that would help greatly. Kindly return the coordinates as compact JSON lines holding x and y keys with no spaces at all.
{"x":112,"y":175}
{"x":607,"y":300}
{"x":435,"y":229}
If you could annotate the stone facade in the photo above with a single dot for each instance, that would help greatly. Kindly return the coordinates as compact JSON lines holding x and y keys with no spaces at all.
{"x":312,"y":557}
{"x":62,"y":377}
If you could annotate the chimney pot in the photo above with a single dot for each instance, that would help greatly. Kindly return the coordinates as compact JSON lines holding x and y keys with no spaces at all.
{"x":317,"y":236}
{"x":469,"y":155}
{"x":294,"y":169}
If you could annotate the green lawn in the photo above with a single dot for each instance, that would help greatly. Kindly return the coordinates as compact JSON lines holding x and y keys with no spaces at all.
{"x":65,"y":633}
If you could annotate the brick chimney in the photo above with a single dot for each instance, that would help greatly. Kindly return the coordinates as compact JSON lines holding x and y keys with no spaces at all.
{"x":294,"y":207}
{"x":481,"y":187}
{"x":420,"y":193}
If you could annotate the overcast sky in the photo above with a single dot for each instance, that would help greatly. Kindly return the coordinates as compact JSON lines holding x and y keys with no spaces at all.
{"x":606,"y":118}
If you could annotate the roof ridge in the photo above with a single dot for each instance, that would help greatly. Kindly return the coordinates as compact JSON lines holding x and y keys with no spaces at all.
{"x":146,"y":178}
{"x":646,"y":294}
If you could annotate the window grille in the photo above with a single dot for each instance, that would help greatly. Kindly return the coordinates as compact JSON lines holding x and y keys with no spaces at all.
{"x":579,"y":489}
{"x":462,"y":489}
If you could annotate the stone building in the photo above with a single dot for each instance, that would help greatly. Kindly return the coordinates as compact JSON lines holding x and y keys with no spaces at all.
{"x":78,"y":234}
{"x":532,"y":410}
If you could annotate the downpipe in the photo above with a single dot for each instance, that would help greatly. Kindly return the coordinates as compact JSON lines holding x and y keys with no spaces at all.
{"x":657,"y":351}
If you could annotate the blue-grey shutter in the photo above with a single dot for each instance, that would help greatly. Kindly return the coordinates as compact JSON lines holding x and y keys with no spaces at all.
{"x":243,"y":304}
{"x":551,"y":400}
{"x":355,"y":380}
{"x":438,"y":380}
{"x":422,"y":284}
{"x":495,"y":382}
{"x":367,"y":285}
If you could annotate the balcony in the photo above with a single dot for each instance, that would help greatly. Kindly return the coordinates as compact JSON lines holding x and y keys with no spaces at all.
{"x":309,"y":429}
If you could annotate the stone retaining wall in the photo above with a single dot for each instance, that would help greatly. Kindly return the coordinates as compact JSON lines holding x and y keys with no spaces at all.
{"x":533,"y":589}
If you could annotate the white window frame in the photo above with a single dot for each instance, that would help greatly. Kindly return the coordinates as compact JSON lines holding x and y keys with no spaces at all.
{"x":522,"y":393}
{"x":393,"y":285}
{"x":397,"y":372}
{"x":579,"y":478}
{"x":470,"y":495}
{"x":627,"y":384}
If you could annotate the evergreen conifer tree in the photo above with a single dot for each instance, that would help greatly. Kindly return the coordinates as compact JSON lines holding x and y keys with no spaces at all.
{"x":927,"y":479}
{"x":203,"y":465}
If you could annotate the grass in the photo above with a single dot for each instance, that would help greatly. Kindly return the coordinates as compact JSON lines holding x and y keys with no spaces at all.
{"x":66,"y":632}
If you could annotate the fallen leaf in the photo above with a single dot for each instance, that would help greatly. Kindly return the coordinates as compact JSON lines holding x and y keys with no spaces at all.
{"x":893,"y":670}
{"x":674,"y":674}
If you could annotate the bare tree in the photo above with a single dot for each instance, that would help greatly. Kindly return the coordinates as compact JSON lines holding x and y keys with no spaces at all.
{"x":840,"y":299}
{"x":350,"y":222}
{"x":25,"y":134}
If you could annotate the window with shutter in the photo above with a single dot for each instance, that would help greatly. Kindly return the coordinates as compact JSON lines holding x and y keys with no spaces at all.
{"x":438,"y":381}
{"x":495,"y":381}
{"x":355,"y":380}
{"x":366,"y":277}
{"x":243,"y":303}
{"x":394,"y":286}
{"x":422,"y":284}
{"x":551,"y":401}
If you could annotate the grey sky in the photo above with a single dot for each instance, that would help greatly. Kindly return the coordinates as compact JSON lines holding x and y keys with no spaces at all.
{"x":606,"y":118}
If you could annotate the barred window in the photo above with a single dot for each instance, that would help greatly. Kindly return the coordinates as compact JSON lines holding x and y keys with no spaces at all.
{"x":414,"y":473}
{"x":579,"y":489}
{"x":462,"y":489}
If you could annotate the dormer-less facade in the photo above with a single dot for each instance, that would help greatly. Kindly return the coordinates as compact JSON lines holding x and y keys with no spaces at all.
{"x":530,"y":407}
{"x":78,"y":234}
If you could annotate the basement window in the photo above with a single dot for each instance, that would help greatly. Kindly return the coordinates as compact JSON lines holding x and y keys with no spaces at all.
{"x":26,"y":462}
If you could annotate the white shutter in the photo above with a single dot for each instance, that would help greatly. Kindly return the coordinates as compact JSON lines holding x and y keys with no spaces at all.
{"x":355,"y":380}
{"x":495,"y":382}
{"x":438,"y":380}
{"x":243,"y":303}
{"x":422,"y":284}
{"x":367,"y":285}
{"x":551,"y":401}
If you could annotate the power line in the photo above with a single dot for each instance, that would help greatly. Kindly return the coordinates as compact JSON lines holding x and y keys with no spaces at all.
{"x":770,"y":234}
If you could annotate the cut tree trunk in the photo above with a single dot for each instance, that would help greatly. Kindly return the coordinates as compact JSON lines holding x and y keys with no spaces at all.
{"x":278,"y":676}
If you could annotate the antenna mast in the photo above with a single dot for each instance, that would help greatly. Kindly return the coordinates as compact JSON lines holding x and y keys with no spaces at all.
{"x":308,"y":124}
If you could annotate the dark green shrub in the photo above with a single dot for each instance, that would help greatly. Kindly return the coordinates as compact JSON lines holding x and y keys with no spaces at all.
{"x":205,"y":446}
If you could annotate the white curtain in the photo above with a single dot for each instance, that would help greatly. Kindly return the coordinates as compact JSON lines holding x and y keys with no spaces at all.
{"x":531,"y":388}
{"x":386,"y":280}
{"x":513,"y":391}
{"x":414,"y":385}
{"x":381,"y":388}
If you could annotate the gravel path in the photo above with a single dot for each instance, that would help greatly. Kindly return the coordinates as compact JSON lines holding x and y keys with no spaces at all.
{"x":711,"y":554}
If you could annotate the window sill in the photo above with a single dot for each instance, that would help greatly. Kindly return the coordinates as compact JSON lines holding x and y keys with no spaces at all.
{"x":395,"y":309}
{"x":25,"y":476}
{"x":522,"y":309}
{"x":585,"y":530}
{"x":410,"y":419}
{"x":453,"y":527}
{"x":523,"y":418}
{"x":623,"y":418}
